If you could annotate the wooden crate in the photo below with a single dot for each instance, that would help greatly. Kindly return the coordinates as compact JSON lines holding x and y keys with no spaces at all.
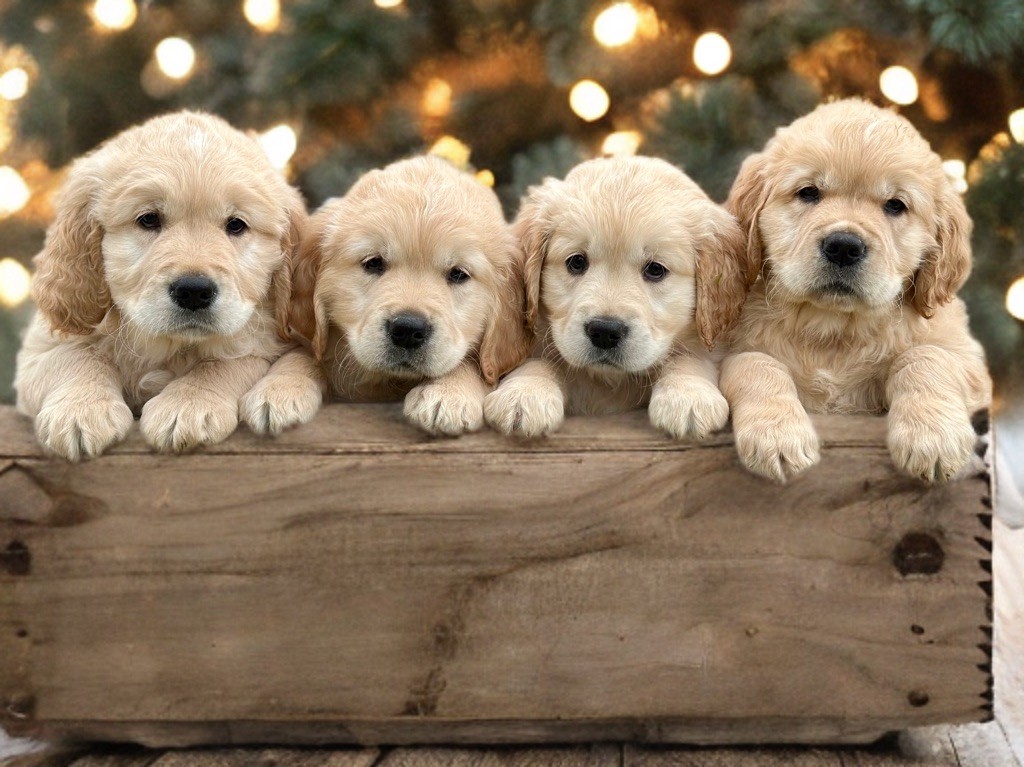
{"x":355,"y":581}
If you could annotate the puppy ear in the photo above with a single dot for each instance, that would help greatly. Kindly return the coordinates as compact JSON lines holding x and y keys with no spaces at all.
{"x":747,"y":199}
{"x":306,"y":313}
{"x":532,"y":229}
{"x":722,"y":275}
{"x":291,"y":240}
{"x":945,"y":269}
{"x":508,"y":337}
{"x":69,"y":285}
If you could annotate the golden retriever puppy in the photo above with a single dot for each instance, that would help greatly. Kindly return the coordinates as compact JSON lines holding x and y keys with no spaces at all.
{"x":858,"y":243}
{"x":410,"y":286}
{"x":629,"y":266}
{"x":158,"y":288}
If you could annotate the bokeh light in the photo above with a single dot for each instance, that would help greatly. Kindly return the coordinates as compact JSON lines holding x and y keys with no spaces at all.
{"x":1017,"y":125}
{"x":14,"y":192}
{"x":899,"y":85}
{"x":623,"y":142}
{"x":279,"y":144}
{"x":1015,"y":299}
{"x":114,"y":15}
{"x":589,"y":100}
{"x":14,"y":84}
{"x":616,"y":25}
{"x":175,"y":57}
{"x":15,"y":283}
{"x":712,"y":53}
{"x":264,"y":15}
{"x":453,"y":150}
{"x":437,"y":98}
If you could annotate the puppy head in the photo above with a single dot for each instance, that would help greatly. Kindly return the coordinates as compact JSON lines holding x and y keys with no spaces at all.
{"x":848,"y":208}
{"x":418,"y":269}
{"x":620,"y":256}
{"x":181,"y":222}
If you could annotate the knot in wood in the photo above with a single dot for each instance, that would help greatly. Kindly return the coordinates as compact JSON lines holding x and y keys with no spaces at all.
{"x":918,"y":554}
{"x":16,"y":559}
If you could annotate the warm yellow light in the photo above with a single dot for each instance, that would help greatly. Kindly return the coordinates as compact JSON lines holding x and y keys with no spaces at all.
{"x":616,"y":25}
{"x":622,"y":142}
{"x":14,"y":192}
{"x":387,"y":3}
{"x":899,"y":85}
{"x":1017,"y":125}
{"x":14,"y":84}
{"x":485,"y":177}
{"x":1015,"y":299}
{"x":175,"y":57}
{"x":265,"y":15}
{"x":712,"y":53}
{"x":956,"y":170}
{"x":451,"y":149}
{"x":15,"y":282}
{"x":437,"y":98}
{"x":279,"y":143}
{"x":589,"y":100}
{"x":115,"y":15}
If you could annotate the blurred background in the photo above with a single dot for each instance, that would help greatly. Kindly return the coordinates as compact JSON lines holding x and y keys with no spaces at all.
{"x":518,"y":90}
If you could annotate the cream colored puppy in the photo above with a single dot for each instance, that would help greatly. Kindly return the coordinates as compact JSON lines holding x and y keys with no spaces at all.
{"x":629,"y":267}
{"x":410,"y":286}
{"x":858,"y":243}
{"x":157,"y":288}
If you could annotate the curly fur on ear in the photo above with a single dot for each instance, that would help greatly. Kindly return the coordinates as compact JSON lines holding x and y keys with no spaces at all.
{"x":508,"y":338}
{"x":722,"y":276}
{"x":747,"y":199}
{"x":946,"y":268}
{"x":306,"y":313}
{"x":69,"y":285}
{"x":282,"y":280}
{"x":532,"y":229}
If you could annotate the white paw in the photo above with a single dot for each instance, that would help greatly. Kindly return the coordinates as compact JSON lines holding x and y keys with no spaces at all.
{"x":930,"y":446}
{"x":277,"y":402}
{"x":180,"y":418}
{"x":778,"y":442}
{"x":77,"y":429}
{"x":692,"y":412}
{"x":525,"y":407}
{"x":444,"y":409}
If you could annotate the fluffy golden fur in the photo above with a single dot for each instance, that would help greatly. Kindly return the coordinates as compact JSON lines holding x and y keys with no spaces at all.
{"x":879,"y":331}
{"x":633,"y":248}
{"x":418,"y":239}
{"x":149,"y":207}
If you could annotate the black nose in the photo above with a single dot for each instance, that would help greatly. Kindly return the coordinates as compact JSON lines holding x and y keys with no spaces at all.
{"x":605,"y":332}
{"x":194,"y":292}
{"x":843,"y":248}
{"x":409,"y":331}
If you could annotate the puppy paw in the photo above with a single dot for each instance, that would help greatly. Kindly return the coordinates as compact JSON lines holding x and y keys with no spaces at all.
{"x":690,"y":412}
{"x":778,"y":442}
{"x":183,"y":417}
{"x":932,"y":447}
{"x":443,"y":409}
{"x":278,"y":402}
{"x":525,"y":407}
{"x":82,"y":428}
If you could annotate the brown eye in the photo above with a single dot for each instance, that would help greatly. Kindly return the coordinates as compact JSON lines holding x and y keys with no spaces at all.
{"x":457,"y":276}
{"x":235,"y":226}
{"x":810,"y":194}
{"x":577,"y":263}
{"x":655,"y":272}
{"x":894,"y":207}
{"x":374,"y":265}
{"x":150,"y":220}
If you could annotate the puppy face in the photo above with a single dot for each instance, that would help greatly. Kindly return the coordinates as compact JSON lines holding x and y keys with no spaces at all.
{"x":417,"y":268}
{"x":615,"y":254}
{"x":183,"y":222}
{"x":850,"y":210}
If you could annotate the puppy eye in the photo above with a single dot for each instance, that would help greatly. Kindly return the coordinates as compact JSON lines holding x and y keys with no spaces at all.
{"x":655,"y":272}
{"x":374,"y":265}
{"x":809,"y":194}
{"x":235,"y":226}
{"x":894,"y":207}
{"x":150,"y":220}
{"x":577,"y":263}
{"x":457,"y":276}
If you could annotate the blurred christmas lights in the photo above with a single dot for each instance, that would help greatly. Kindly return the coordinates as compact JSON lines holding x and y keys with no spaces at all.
{"x":1017,"y":125}
{"x":264,"y":15}
{"x":114,"y":15}
{"x":451,"y":149}
{"x":589,"y":100}
{"x":15,"y":283}
{"x":1015,"y":299}
{"x":956,"y":170}
{"x":175,"y":57}
{"x":899,"y":85}
{"x":617,"y":25}
{"x":437,"y":98}
{"x":387,"y":3}
{"x":14,"y":84}
{"x":279,"y":143}
{"x":711,"y":53}
{"x":485,"y":177}
{"x":623,"y":142}
{"x":14,"y":192}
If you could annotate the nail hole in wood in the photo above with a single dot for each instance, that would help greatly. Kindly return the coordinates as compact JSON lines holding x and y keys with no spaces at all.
{"x":917,"y":698}
{"x":16,"y":559}
{"x":918,"y":554}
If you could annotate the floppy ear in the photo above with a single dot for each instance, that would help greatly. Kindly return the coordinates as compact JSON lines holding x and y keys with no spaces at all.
{"x":946,"y":268}
{"x":747,"y":199}
{"x":69,"y":285}
{"x":722,"y":275}
{"x":291,"y":240}
{"x":306,"y":312}
{"x":508,"y":337}
{"x":532,"y":229}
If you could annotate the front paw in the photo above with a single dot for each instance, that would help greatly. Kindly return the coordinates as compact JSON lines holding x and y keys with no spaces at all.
{"x":181,"y":418}
{"x":525,"y":407}
{"x":443,"y":409}
{"x":930,"y":446}
{"x":80,"y":429}
{"x":777,"y":442}
{"x":690,"y":412}
{"x":275,"y":403}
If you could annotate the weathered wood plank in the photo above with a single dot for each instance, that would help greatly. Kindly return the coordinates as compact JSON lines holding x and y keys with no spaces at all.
{"x":588,"y":756}
{"x":270,"y":757}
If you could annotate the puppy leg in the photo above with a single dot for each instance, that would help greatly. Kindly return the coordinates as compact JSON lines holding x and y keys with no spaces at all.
{"x":530,"y":402}
{"x":450,"y":405}
{"x":930,"y":433}
{"x":76,"y":398}
{"x":290,"y":394}
{"x":685,"y":401}
{"x":774,"y":435}
{"x":201,"y":407}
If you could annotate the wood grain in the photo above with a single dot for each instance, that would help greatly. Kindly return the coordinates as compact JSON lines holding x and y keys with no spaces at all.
{"x":356,"y":582}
